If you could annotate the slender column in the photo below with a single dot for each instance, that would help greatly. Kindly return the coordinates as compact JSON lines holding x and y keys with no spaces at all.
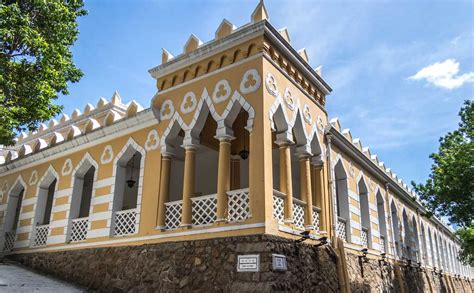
{"x":306,"y":192}
{"x":223,"y":177}
{"x":163,"y":196}
{"x":285,"y":179}
{"x":188,"y":184}
{"x":320,"y":197}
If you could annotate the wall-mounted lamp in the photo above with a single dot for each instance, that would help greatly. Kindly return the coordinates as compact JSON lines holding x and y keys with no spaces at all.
{"x":363,"y":257}
{"x":322,"y":241}
{"x":304,"y":237}
{"x":382,"y":260}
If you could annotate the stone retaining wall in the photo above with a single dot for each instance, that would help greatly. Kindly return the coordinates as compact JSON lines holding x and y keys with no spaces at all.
{"x":210,"y":265}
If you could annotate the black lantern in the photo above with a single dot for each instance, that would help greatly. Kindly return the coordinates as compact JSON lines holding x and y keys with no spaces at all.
{"x":244,"y":154}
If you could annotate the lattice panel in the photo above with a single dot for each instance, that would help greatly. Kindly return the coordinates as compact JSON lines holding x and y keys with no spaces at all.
{"x":79,"y":229}
{"x":173,"y":214}
{"x":238,"y":205}
{"x":9,"y":241}
{"x":278,"y":208}
{"x":316,"y":220}
{"x":364,"y":237}
{"x":382,"y":244}
{"x":41,"y":235}
{"x":298,"y":215}
{"x":204,"y":209}
{"x":125,"y":222}
{"x":341,"y":228}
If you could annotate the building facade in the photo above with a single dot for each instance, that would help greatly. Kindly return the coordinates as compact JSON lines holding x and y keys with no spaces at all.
{"x":236,"y":142}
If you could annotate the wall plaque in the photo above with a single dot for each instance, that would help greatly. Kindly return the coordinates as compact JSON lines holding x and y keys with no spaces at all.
{"x":279,"y":262}
{"x":248,"y":263}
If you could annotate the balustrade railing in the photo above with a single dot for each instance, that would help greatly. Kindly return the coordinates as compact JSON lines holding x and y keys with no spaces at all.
{"x":298,"y":213}
{"x":364,"y":237}
{"x":41,"y":235}
{"x":125,"y":222}
{"x":279,"y":206}
{"x":79,"y":229}
{"x":316,"y":213}
{"x":238,"y":205}
{"x":173,"y":214}
{"x":204,"y":209}
{"x":9,"y":241}
{"x":341,"y":228}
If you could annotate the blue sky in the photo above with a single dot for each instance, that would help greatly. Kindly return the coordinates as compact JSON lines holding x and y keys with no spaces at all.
{"x":399,"y":70}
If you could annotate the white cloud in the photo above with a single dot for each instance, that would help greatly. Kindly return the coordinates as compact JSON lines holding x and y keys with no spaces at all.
{"x":444,"y":75}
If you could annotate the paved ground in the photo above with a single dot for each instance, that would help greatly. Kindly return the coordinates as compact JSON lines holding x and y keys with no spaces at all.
{"x":14,"y":278}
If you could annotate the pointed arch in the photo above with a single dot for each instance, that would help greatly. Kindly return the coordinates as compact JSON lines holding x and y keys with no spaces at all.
{"x":14,"y":205}
{"x":381,"y":214}
{"x":234,"y":107}
{"x":416,"y":240}
{"x":396,"y":228}
{"x":363,"y":193}
{"x":342,"y":196}
{"x":125,"y":164}
{"x":278,"y":117}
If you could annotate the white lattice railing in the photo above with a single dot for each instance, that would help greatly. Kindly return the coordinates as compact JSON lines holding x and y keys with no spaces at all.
{"x":298,"y":213}
{"x":41,"y":235}
{"x":238,"y":205}
{"x":364,"y":237}
{"x":125,"y":222}
{"x":278,"y":206}
{"x":341,"y":228}
{"x":204,"y":209}
{"x":382,"y":244}
{"x":79,"y":229}
{"x":9,"y":241}
{"x":173,"y":214}
{"x":316,"y":213}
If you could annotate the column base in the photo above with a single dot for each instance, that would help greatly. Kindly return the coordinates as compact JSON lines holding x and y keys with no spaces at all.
{"x":161,"y":228}
{"x":309,"y":228}
{"x":288,"y":221}
{"x":185,"y":226}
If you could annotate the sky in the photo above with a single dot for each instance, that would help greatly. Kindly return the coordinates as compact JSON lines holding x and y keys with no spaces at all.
{"x":399,"y":70}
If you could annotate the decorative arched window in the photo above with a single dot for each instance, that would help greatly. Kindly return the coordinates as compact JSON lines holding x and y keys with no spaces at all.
{"x":83,"y":189}
{"x":44,"y":205}
{"x":129,"y":165}
{"x":342,"y":199}
{"x":366,"y":231}
{"x":396,"y":229}
{"x":382,"y":222}
{"x":15,"y":198}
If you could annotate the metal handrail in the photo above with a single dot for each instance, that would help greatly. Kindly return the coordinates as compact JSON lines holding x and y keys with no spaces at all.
{"x":197,"y":198}
{"x":279,"y":193}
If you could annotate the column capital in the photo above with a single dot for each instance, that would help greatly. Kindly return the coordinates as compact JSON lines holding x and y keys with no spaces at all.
{"x":224,"y":131}
{"x":167,"y":151}
{"x":317,"y":161}
{"x":190,"y":146}
{"x":284,"y":138}
{"x":224,"y":137}
{"x":303,"y":151}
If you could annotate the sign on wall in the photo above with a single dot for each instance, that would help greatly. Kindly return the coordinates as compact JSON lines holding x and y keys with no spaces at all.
{"x":248,"y":263}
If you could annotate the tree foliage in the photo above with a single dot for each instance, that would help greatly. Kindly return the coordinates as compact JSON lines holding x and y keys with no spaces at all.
{"x":35,"y":60}
{"x":449,"y":190}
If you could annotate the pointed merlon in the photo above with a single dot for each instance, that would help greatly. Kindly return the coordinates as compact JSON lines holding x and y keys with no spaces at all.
{"x":192,"y":44}
{"x":285,"y":34}
{"x":260,"y":13}
{"x":304,"y":55}
{"x":88,"y":108}
{"x":116,"y":99}
{"x":64,"y":118}
{"x":319,"y":70}
{"x":165,"y":56}
{"x":76,"y":113}
{"x":101,"y":103}
{"x":224,"y":29}
{"x":52,"y":123}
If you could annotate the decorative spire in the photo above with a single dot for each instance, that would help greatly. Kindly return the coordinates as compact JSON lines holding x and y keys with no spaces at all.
{"x":224,"y":29}
{"x":165,"y":56}
{"x":260,"y":12}
{"x":192,"y":44}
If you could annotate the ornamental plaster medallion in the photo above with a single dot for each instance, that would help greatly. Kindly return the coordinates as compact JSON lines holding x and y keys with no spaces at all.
{"x":320,"y":125}
{"x":33,"y":178}
{"x":67,"y":167}
{"x":167,"y":110}
{"x":307,"y":114}
{"x":289,"y":99}
{"x":250,"y":81}
{"x":189,"y":103}
{"x":221,"y":91}
{"x":271,"y":84}
{"x":152,"y":141}
{"x":107,"y":155}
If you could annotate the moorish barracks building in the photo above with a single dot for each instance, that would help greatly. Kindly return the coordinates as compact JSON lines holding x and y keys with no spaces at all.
{"x":234,"y":178}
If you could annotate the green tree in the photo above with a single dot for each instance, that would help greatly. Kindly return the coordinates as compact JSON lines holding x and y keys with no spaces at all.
{"x":35,"y":60}
{"x":449,"y":190}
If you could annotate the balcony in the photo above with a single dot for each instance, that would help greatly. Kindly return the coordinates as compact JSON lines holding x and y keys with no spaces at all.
{"x":341,"y":228}
{"x":41,"y":235}
{"x":125,"y":222}
{"x":79,"y":229}
{"x":9,"y":241}
{"x":364,"y":237}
